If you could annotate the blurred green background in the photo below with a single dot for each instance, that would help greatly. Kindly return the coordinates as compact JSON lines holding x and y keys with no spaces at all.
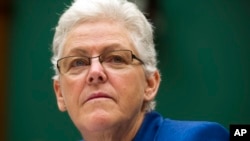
{"x":203,"y":48}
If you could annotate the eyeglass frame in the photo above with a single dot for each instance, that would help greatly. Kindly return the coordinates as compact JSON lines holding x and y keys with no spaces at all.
{"x":90,"y":58}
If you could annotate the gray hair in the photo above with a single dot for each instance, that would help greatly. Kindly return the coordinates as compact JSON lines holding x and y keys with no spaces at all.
{"x":127,"y":13}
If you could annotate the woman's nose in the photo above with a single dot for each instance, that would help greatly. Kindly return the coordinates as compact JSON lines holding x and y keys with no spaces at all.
{"x":96,"y":73}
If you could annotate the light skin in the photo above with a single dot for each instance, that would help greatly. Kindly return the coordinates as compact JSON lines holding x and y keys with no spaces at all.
{"x":115,"y":111}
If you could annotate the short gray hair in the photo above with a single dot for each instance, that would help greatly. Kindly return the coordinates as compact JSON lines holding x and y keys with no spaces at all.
{"x":127,"y":13}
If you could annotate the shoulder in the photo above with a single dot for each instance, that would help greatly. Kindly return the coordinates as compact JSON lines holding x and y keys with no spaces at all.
{"x":192,"y":131}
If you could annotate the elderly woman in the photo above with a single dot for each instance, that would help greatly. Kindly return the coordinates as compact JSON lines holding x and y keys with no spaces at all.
{"x":106,"y":76}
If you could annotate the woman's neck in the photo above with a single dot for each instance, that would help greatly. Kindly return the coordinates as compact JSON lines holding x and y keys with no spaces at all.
{"x":124,"y":131}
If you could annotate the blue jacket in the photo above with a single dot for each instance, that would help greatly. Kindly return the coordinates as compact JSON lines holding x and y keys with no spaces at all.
{"x":156,"y":128}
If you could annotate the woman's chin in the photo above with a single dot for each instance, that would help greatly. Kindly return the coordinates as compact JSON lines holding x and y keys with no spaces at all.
{"x":98,"y":120}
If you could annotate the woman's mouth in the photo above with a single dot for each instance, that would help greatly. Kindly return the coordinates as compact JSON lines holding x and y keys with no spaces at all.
{"x":99,"y":95}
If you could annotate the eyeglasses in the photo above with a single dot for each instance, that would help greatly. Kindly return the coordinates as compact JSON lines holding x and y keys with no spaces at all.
{"x":117,"y":59}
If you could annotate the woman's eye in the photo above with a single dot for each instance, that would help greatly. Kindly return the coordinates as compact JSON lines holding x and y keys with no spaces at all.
{"x":116,"y":59}
{"x":79,"y":63}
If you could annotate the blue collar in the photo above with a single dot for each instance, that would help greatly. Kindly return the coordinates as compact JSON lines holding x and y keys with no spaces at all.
{"x":149,"y":128}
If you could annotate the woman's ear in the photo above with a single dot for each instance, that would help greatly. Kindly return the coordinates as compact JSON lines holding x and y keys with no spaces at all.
{"x":153,"y":83}
{"x":59,"y":96}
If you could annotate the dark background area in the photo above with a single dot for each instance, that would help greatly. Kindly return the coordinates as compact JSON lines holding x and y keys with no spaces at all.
{"x":203,"y":48}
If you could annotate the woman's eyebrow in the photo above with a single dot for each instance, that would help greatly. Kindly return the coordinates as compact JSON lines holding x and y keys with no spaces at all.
{"x":77,"y":51}
{"x":84,"y":52}
{"x":114,"y":46}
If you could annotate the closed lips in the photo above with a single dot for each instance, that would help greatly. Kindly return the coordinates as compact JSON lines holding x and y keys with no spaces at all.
{"x":98,"y":95}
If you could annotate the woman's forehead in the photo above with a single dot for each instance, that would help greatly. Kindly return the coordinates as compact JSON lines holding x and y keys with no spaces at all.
{"x":99,"y":36}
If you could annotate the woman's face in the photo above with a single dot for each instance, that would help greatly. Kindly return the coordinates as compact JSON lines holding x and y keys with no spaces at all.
{"x":101,"y":98}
